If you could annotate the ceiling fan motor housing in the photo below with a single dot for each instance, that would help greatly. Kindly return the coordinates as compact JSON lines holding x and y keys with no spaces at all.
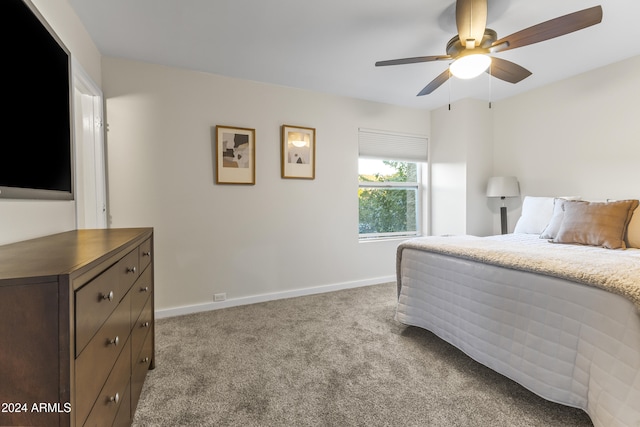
{"x":455,"y":47}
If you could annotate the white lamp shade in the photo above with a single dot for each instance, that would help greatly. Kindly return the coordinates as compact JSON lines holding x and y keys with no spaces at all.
{"x":503,"y":186}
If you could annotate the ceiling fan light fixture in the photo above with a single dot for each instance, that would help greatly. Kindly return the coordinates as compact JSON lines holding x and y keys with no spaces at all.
{"x":470,"y":66}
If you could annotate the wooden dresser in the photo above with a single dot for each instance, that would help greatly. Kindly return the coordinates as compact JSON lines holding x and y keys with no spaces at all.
{"x":76,"y":327}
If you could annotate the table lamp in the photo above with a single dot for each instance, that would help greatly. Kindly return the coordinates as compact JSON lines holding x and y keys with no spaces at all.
{"x":503,"y":187}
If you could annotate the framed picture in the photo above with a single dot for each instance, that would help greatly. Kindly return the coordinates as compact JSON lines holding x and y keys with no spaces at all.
{"x":298,"y":152}
{"x":235,"y":155}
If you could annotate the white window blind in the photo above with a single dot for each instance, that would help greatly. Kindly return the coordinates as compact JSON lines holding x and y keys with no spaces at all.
{"x":379,"y":144}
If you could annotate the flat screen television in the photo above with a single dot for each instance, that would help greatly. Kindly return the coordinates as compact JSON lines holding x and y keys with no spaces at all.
{"x":36,"y":146}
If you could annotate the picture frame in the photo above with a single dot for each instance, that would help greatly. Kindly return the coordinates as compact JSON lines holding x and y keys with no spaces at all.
{"x":235,"y":155}
{"x":298,"y":152}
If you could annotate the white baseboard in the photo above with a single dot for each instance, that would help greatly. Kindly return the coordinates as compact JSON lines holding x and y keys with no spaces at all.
{"x":234,"y":302}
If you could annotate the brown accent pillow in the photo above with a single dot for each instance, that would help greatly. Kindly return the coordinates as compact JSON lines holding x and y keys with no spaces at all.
{"x":633,"y":230}
{"x":596,"y":224}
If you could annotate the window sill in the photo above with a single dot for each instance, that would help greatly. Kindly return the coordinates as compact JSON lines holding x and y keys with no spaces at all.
{"x":387,"y":239}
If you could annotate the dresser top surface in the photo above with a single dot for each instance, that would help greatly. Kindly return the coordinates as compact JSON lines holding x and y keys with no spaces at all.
{"x":64,"y":253}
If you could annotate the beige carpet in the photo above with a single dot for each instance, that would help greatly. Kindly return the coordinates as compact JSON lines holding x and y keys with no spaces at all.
{"x":335,"y":359}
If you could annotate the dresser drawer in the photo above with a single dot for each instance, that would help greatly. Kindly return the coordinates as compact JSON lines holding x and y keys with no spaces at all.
{"x":140,"y":294}
{"x":141,"y":328}
{"x":93,"y":365}
{"x":114,"y":393}
{"x":124,"y":417}
{"x":144,"y":254}
{"x":128,"y":270}
{"x":95,"y":302}
{"x":139,"y":367}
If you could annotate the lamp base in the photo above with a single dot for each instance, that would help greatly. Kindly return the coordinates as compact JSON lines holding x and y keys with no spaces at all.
{"x":503,"y":219}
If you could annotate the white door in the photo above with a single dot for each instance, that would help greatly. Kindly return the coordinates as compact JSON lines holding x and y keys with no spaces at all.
{"x":90,"y":178}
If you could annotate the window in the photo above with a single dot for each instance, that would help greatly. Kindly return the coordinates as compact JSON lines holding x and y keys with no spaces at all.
{"x":390,"y":184}
{"x":388,"y":198}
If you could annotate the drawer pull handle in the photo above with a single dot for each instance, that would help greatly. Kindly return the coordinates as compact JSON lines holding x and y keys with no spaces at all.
{"x":144,"y":325}
{"x":108,"y":296}
{"x":115,"y":341}
{"x":115,"y":399}
{"x":144,"y":289}
{"x":131,"y":269}
{"x":145,"y":360}
{"x":148,"y":253}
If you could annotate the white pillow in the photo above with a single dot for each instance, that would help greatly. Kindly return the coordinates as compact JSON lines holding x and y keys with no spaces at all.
{"x":536,"y":214}
{"x":551,"y":230}
{"x":555,"y":222}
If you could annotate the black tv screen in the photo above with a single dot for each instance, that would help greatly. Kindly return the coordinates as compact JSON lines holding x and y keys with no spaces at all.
{"x":36,"y":157}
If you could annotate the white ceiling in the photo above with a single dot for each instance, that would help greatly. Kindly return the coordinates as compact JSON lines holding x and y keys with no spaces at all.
{"x":331,"y":45}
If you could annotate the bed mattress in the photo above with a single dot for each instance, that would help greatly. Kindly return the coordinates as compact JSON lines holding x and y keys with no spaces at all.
{"x":568,"y":342}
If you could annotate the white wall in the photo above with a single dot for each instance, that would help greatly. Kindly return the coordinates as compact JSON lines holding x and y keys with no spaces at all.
{"x":277,"y":236}
{"x":461,"y":162}
{"x":24,"y":219}
{"x":580,"y":136}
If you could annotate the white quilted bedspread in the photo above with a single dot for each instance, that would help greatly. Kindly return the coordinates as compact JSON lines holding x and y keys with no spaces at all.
{"x":568,"y":342}
{"x":614,"y":270}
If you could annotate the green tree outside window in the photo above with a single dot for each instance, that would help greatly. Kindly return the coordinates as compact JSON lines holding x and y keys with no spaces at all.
{"x":386,"y":205}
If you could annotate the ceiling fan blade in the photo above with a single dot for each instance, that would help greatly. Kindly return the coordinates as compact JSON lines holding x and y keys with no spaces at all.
{"x":471,"y":20}
{"x":435,"y":83}
{"x":413,"y":60}
{"x":553,"y":28}
{"x":507,"y":70}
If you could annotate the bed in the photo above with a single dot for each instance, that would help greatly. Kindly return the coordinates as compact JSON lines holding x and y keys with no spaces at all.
{"x":559,"y":317}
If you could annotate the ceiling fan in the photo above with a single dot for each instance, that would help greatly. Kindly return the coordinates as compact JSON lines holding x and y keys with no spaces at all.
{"x":470,"y":50}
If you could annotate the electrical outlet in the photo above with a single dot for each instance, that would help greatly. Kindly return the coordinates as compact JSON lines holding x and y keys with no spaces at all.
{"x":219,"y":297}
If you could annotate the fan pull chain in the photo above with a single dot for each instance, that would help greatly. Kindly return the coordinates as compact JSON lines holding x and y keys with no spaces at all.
{"x":449,"y":87}
{"x":490,"y":84}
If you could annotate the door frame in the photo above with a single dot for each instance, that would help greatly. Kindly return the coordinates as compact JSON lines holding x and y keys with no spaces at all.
{"x":91,"y":200}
